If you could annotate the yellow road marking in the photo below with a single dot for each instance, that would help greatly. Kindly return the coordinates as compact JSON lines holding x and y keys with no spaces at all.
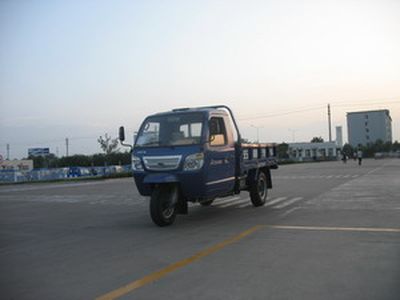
{"x":320,"y":228}
{"x":173,"y":267}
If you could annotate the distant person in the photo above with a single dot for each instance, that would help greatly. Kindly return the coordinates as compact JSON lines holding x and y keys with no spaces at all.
{"x":354,"y":156}
{"x":359,"y":156}
{"x":344,"y":158}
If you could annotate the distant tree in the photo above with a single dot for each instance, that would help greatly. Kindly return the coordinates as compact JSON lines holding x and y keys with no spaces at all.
{"x":282,"y":150}
{"x":388,"y":146}
{"x":108,"y":144}
{"x":44,"y":161}
{"x":52,"y":161}
{"x":317,"y":139}
{"x":77,"y":160}
{"x":38,"y":161}
{"x":348,"y":150}
{"x":120,"y":158}
{"x":98,"y":159}
{"x":396,"y":146}
{"x":116,"y":158}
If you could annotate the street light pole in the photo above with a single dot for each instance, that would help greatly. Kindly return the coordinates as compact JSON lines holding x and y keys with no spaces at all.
{"x":293,"y":134}
{"x":258,"y":128}
{"x":67,"y":147}
{"x":329,"y":123}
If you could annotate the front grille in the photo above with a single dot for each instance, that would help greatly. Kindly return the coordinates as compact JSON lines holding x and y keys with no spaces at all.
{"x":162,"y":163}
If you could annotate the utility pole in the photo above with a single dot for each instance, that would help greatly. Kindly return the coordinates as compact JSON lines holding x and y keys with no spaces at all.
{"x":66,"y":146}
{"x":329,"y":123}
{"x":8,"y":151}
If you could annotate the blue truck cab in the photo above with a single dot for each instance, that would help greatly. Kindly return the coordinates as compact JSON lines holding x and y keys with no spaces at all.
{"x":196,"y":155}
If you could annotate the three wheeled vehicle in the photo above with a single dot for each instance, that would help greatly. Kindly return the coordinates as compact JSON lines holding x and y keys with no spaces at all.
{"x":196,"y":155}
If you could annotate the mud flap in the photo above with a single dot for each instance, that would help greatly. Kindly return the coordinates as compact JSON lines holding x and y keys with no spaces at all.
{"x":182,"y":207}
{"x":269,"y":178}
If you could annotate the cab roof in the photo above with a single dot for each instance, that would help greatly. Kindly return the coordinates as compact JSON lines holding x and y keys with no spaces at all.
{"x":207,"y":110}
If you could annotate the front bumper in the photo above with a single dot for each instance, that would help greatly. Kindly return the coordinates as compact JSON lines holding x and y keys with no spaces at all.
{"x":192,"y":184}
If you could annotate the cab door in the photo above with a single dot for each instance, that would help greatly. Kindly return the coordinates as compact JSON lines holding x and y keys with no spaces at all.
{"x":220,"y":175}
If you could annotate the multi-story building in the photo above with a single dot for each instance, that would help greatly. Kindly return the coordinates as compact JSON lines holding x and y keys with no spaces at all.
{"x":365,"y":127}
{"x":339,"y":136}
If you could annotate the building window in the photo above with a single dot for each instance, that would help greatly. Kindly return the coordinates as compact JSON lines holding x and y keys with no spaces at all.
{"x":366,"y":129}
{"x":366,"y":116}
{"x":367,"y":137}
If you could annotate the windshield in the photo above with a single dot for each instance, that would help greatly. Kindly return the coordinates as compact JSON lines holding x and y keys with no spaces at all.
{"x":171,"y":130}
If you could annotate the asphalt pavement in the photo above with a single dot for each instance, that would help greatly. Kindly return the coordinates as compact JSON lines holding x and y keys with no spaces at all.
{"x":328,"y":231}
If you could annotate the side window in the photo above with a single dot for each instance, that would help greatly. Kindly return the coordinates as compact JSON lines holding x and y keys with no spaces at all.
{"x":217,"y":132}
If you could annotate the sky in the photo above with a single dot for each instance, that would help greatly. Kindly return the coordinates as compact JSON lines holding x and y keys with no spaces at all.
{"x":80,"y":69}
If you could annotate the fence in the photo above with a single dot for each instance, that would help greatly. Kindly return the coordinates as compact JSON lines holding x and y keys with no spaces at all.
{"x":10,"y":176}
{"x":378,"y":155}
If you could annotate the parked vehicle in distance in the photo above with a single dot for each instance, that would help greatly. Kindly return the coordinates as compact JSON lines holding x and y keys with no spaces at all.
{"x":196,"y":155}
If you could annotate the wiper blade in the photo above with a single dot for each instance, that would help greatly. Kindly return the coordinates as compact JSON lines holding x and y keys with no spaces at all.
{"x":148,"y":144}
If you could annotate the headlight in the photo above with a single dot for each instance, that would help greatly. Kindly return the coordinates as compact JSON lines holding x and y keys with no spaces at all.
{"x":193,"y":162}
{"x":136,"y":163}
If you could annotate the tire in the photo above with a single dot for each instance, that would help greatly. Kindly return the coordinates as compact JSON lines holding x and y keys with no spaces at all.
{"x":207,"y":202}
{"x":163,"y":204}
{"x":259,"y":190}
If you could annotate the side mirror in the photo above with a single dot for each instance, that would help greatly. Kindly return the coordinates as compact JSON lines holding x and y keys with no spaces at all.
{"x":121,"y":137}
{"x":122,"y":134}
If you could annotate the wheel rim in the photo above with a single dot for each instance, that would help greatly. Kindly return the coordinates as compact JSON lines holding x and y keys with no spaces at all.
{"x":167,"y":208}
{"x":168,"y":212}
{"x":262,"y":188}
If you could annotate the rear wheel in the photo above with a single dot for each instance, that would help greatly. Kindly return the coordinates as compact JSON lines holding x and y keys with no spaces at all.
{"x":163,"y":204}
{"x":259,"y":190}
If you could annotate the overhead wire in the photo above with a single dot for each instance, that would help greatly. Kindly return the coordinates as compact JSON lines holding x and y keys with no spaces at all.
{"x":332,"y":103}
{"x":303,"y":109}
{"x":280,"y":114}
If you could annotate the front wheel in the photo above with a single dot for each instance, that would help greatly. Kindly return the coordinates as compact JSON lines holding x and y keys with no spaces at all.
{"x":259,"y":190}
{"x":163,"y":204}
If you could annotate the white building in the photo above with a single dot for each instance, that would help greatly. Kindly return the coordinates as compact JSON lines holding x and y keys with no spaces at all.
{"x":16,"y":165}
{"x":313,"y":151}
{"x":366,"y":127}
